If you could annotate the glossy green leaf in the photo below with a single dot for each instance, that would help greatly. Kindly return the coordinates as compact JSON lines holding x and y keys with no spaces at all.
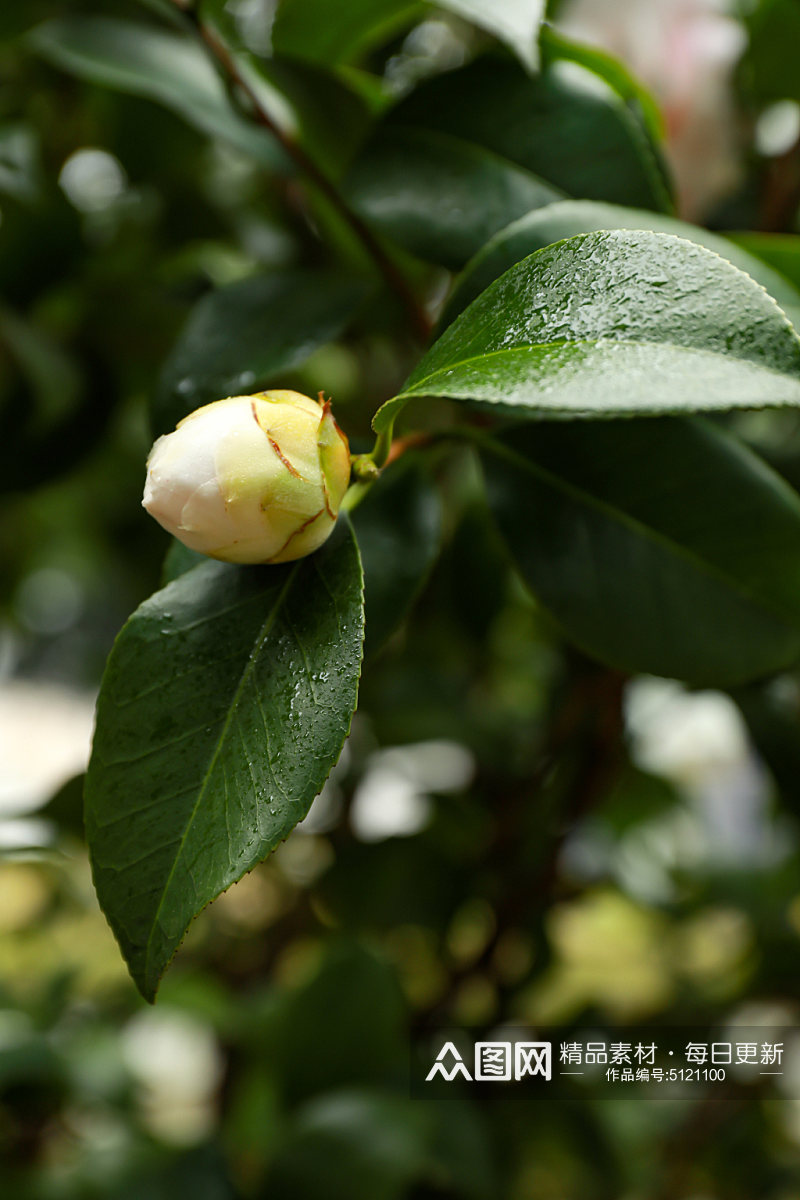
{"x":224,"y":705}
{"x":305,"y":29}
{"x":662,"y":546}
{"x":474,"y":149}
{"x":398,"y":527}
{"x":609,"y":324}
{"x":178,"y":560}
{"x":568,"y":218}
{"x":239,"y":338}
{"x":308,"y":29}
{"x":151,"y":62}
{"x":556,"y":46}
{"x":515,"y":22}
{"x":439,"y":196}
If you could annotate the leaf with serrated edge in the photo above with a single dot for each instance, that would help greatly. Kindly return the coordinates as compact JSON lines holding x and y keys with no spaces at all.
{"x":612,"y":324}
{"x":226,"y":701}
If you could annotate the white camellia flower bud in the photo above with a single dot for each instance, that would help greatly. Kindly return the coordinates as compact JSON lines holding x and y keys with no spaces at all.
{"x":251,"y":479}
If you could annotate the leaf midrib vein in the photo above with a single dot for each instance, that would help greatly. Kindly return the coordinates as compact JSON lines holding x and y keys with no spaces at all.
{"x":523,"y":346}
{"x":247,"y":671}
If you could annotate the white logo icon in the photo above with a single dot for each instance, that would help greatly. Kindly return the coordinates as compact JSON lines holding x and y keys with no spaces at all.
{"x":496,"y":1062}
{"x":533,"y":1058}
{"x":439,"y":1068}
{"x":492,"y":1060}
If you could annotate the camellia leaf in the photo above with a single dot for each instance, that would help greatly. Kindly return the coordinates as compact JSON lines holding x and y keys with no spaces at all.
{"x":225,"y":703}
{"x":438,"y":196}
{"x":178,"y":560}
{"x":659,"y":545}
{"x":515,"y":22}
{"x":306,"y":29}
{"x":610,"y":324}
{"x":239,"y":337}
{"x":568,"y":218}
{"x":556,"y":46}
{"x":152,"y":62}
{"x":474,"y":149}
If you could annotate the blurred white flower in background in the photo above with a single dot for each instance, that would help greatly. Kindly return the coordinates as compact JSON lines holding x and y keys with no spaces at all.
{"x":684,"y":51}
{"x":699,"y":742}
{"x":692,"y":738}
{"x":45,"y":739}
{"x":393,"y":797}
{"x":92,"y":179}
{"x":778,"y":128}
{"x":175,"y":1059}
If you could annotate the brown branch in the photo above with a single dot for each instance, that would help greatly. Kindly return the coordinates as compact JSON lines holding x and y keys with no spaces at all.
{"x":412,"y":441}
{"x":394,"y":278}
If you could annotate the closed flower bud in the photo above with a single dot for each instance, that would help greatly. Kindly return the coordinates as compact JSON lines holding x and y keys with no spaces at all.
{"x":250,"y":479}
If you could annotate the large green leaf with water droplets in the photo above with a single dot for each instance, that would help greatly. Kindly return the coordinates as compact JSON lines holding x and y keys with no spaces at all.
{"x":659,"y":545}
{"x":239,"y":338}
{"x":225,"y":703}
{"x":473,"y":149}
{"x":568,"y":218}
{"x":614,"y":324}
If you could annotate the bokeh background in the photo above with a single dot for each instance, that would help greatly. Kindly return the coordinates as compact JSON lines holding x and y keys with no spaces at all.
{"x":512,"y":834}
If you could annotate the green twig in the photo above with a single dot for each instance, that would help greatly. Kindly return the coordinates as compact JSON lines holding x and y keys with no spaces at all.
{"x":367,"y":467}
